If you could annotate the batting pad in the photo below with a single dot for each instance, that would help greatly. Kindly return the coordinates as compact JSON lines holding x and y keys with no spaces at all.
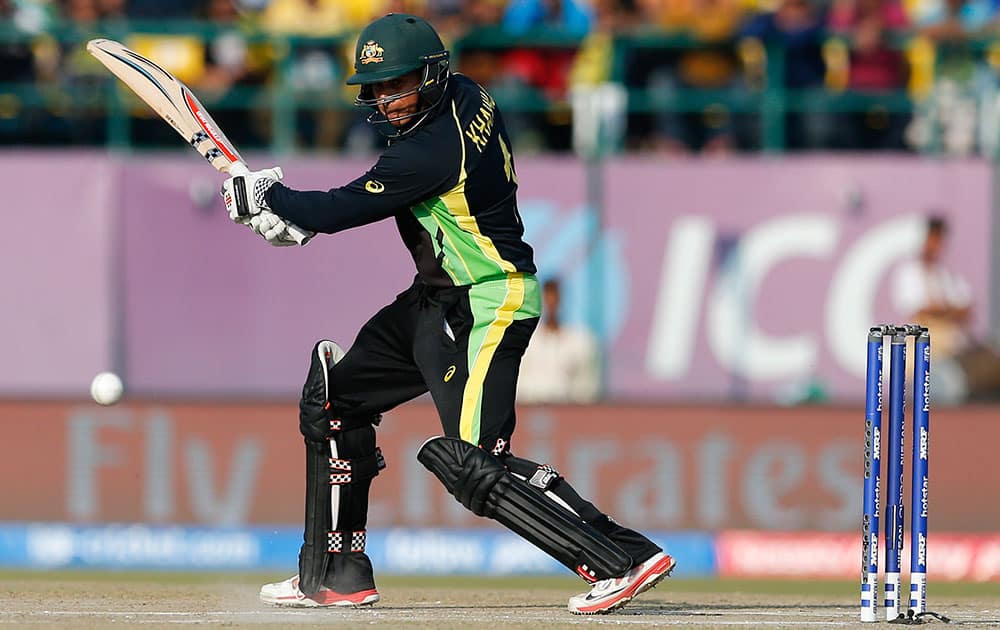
{"x":482,"y":484}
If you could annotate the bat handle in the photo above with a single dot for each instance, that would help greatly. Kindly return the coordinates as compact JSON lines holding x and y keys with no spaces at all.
{"x":298,"y":234}
{"x":238,"y":168}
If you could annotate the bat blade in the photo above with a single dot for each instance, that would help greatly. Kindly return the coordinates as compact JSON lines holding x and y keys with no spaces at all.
{"x":177,"y":105}
{"x":169,"y":98}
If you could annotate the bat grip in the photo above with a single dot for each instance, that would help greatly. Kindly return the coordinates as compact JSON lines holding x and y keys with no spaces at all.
{"x":301,"y":236}
{"x":238,"y":168}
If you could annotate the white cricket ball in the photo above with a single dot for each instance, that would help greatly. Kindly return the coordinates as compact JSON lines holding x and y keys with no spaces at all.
{"x":106,"y":388}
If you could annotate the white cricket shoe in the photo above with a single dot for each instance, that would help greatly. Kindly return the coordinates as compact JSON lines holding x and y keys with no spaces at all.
{"x":287,"y":593}
{"x":613,"y":593}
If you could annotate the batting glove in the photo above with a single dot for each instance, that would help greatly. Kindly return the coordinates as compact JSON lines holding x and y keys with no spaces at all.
{"x":244,"y":195}
{"x":244,"y":192}
{"x":277,"y":231}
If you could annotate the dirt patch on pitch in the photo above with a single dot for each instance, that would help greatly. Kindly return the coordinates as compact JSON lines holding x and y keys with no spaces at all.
{"x":122,"y":601}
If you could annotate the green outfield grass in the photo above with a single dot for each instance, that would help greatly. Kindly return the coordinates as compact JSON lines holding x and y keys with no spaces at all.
{"x":829,"y":588}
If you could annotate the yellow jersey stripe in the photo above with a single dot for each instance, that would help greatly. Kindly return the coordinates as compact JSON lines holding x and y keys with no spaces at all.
{"x":457,"y":251}
{"x":472,"y":397}
{"x":458,"y":206}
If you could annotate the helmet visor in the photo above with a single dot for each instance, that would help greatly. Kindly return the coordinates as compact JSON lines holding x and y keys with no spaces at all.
{"x":427,"y":86}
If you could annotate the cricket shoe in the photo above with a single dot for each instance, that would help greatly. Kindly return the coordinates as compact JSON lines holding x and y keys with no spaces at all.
{"x":613,"y":593}
{"x":287,"y":593}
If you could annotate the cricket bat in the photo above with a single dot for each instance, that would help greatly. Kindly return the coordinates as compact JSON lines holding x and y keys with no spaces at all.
{"x":176,"y":104}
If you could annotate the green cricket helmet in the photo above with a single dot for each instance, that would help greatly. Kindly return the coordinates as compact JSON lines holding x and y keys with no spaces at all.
{"x":389,"y":48}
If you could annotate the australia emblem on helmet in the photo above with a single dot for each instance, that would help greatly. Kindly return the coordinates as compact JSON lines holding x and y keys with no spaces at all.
{"x":371,"y":52}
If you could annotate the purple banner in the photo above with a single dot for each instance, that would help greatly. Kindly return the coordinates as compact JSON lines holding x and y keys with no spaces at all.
{"x":212,"y":309}
{"x":752,"y":278}
{"x":739,"y":278}
{"x":57,"y":318}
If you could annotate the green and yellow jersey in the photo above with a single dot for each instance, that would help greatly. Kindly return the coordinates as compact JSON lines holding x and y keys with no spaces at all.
{"x":451,"y":186}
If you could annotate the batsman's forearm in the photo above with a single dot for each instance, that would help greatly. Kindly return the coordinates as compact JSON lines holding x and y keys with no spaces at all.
{"x":318,"y":211}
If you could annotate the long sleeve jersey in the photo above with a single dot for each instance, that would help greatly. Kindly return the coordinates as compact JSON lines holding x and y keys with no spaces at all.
{"x":450,"y":185}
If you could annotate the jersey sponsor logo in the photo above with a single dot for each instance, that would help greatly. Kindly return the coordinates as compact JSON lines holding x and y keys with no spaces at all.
{"x":374,"y":186}
{"x":449,"y":374}
{"x":371,"y":52}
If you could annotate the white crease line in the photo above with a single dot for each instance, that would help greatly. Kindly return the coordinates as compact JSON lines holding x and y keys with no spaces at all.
{"x":385,"y":611}
{"x":655,"y":617}
{"x":311,"y":616}
{"x":348,"y":615}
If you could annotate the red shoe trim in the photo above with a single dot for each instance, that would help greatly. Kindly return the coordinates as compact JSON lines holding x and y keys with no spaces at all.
{"x":590,"y":579}
{"x":663,"y":565}
{"x":327,"y":597}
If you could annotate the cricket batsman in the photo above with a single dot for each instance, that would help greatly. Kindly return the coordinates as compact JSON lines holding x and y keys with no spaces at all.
{"x":447,"y":178}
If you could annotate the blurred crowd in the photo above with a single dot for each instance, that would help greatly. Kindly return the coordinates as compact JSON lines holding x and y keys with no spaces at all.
{"x":925,"y":70}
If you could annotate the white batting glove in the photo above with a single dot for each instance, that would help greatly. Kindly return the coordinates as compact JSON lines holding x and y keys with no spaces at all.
{"x":252,"y":210}
{"x":271,"y":228}
{"x":277,"y":231}
{"x":244,"y":192}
